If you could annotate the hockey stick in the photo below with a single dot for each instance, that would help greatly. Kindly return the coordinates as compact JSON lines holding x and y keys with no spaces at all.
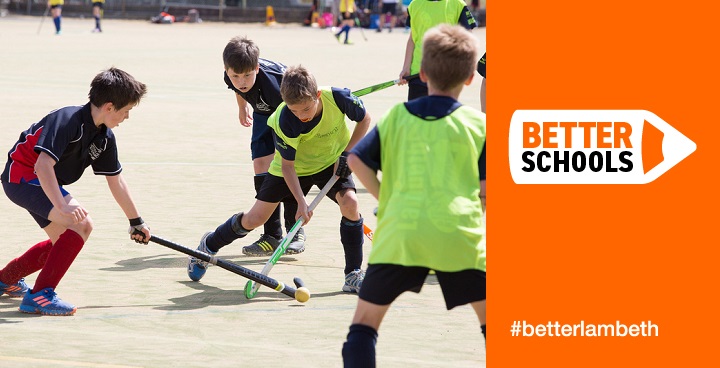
{"x":301,"y":294}
{"x":379,"y":86}
{"x":251,"y":288}
{"x":47,"y":10}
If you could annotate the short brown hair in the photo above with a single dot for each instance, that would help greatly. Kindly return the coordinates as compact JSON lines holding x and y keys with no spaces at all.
{"x":116,"y":86}
{"x":298,"y":85}
{"x":241,"y":55}
{"x":449,"y":56}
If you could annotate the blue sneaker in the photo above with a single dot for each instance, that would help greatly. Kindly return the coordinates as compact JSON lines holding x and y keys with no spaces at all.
{"x":196,"y":267}
{"x":47,"y":303}
{"x":16,"y":290}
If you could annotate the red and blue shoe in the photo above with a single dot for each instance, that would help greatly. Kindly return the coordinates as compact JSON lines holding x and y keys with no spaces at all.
{"x":47,"y":303}
{"x":16,"y":290}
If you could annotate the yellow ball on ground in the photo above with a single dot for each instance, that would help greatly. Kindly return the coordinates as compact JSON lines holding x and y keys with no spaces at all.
{"x":302,"y":294}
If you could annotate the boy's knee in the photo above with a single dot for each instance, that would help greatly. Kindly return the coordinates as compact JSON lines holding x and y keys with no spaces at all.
{"x":346,"y":197}
{"x":84,"y":227}
{"x":348,"y":205}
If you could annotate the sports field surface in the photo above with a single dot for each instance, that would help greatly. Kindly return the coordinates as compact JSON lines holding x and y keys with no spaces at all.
{"x":187,"y":161}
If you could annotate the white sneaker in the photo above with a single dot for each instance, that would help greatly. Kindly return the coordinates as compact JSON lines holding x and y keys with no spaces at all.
{"x":353,"y":281}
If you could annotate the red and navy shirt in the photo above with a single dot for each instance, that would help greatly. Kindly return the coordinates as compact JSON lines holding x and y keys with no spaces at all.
{"x":70,"y":137}
{"x":264,"y":95}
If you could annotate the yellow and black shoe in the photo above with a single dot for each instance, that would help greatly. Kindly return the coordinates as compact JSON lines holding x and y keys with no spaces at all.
{"x":265,"y":246}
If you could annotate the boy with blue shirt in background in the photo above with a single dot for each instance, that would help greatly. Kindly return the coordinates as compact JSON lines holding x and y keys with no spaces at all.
{"x":256,"y":83}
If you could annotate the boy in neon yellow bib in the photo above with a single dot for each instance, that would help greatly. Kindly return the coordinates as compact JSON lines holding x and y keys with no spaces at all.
{"x":430,"y":213}
{"x":311,"y":145}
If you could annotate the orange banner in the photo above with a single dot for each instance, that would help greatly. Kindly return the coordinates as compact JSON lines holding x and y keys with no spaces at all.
{"x":573,"y":267}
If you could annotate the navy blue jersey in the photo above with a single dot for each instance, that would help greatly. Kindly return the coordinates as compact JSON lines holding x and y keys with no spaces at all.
{"x":292,"y":127}
{"x":70,"y":137}
{"x":481,"y":67}
{"x":428,"y":108}
{"x":264,"y":96}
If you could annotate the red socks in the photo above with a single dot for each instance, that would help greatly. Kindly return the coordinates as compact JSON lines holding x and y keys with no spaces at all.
{"x":61,"y":256}
{"x":28,"y":263}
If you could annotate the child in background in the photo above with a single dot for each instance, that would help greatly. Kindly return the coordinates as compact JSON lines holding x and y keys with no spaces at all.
{"x":423,"y":15}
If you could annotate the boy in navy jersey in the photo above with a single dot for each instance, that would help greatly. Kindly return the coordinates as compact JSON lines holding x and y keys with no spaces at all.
{"x":256,"y":83}
{"x":53,"y":153}
{"x":431,"y":154}
{"x":311,"y":141}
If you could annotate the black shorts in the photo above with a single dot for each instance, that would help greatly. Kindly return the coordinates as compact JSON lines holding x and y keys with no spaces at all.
{"x":383,"y":283}
{"x":350,"y":17}
{"x":99,"y":4}
{"x":389,"y":8}
{"x":31,"y":197}
{"x":262,"y":143}
{"x":417,"y":88}
{"x":274,"y":189}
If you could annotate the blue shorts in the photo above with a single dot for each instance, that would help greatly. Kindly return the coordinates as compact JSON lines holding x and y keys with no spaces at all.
{"x":262,"y":143}
{"x":31,"y":197}
{"x":274,"y":189}
{"x":383,"y":283}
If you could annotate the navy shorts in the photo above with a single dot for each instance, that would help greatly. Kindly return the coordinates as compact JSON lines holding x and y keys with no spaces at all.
{"x":262,"y":143}
{"x":31,"y":197}
{"x":417,"y":88}
{"x":98,"y":4}
{"x":383,"y":283}
{"x":274,"y":189}
{"x":389,"y":8}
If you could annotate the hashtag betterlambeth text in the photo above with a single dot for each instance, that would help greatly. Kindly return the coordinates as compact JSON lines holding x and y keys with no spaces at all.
{"x":582,"y":329}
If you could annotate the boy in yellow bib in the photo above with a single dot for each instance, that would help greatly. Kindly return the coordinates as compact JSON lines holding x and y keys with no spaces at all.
{"x":429,"y":211}
{"x":311,"y":145}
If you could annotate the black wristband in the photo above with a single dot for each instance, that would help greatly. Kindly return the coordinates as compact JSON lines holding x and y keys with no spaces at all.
{"x":136,"y":221}
{"x":344,"y":154}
